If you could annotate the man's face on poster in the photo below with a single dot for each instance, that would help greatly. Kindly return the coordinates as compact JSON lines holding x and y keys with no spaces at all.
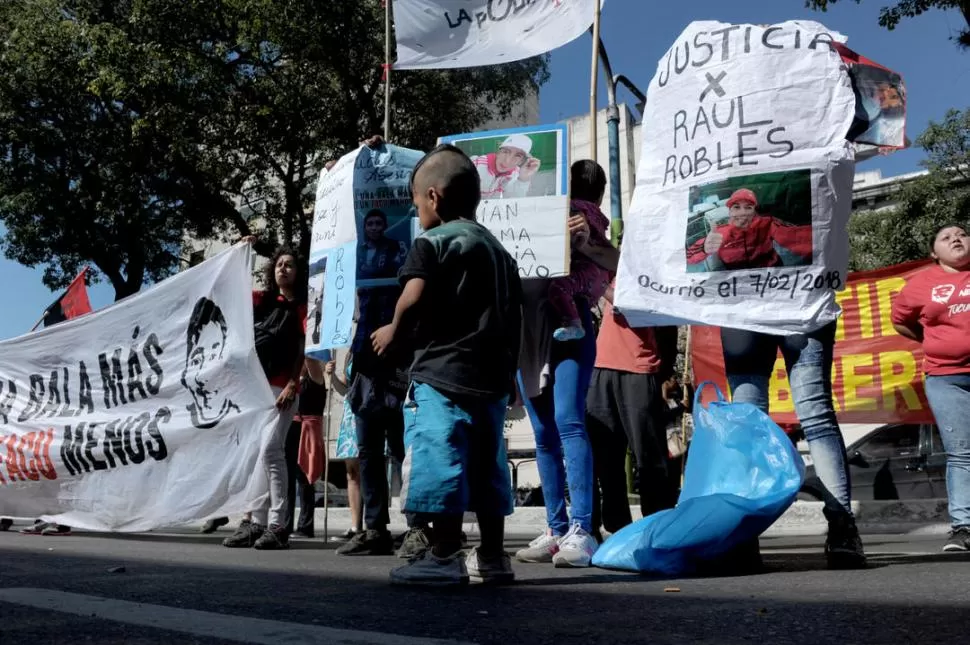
{"x":204,"y":357}
{"x":887,"y":96}
{"x":374,"y":228}
{"x":741,"y":213}
{"x":508,"y":159}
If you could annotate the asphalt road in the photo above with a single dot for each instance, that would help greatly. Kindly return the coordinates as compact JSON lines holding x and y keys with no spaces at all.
{"x":185,"y":588}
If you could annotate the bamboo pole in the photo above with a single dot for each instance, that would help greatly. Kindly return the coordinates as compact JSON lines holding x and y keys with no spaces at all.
{"x":594,"y":81}
{"x":326,"y":462}
{"x":685,"y":378}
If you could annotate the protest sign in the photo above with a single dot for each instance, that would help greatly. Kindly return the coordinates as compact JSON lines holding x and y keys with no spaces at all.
{"x":145,"y":414}
{"x":437,"y":34}
{"x":876,"y":373}
{"x":880,"y":109}
{"x":362,"y":230}
{"x":744,"y":184}
{"x":525,"y":203}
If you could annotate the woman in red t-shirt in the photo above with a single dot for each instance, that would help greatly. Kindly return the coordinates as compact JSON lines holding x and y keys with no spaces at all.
{"x":279,"y":317}
{"x":934,"y":310}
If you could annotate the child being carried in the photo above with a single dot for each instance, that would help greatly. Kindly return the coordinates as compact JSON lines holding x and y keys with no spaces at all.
{"x":586,"y":280}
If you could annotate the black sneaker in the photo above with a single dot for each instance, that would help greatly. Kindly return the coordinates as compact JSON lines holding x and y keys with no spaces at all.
{"x":273,"y":539}
{"x":211,"y":526}
{"x":416,"y":542}
{"x":843,"y":546}
{"x":245,"y":536}
{"x":306,"y":531}
{"x":5,"y":524}
{"x":959,"y":540}
{"x":369,"y":542}
{"x":56,"y":529}
{"x":36,"y":529}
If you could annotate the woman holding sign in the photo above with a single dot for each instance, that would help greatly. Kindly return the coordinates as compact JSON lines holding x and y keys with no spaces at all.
{"x":934,"y":310}
{"x":553,"y":380}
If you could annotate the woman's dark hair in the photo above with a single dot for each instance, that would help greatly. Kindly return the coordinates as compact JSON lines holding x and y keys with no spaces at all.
{"x":376,"y":213}
{"x":299,"y":282}
{"x":937,"y":232}
{"x":587,"y":181}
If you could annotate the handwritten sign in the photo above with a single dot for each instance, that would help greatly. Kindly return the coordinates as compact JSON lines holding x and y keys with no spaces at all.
{"x":744,"y":187}
{"x":525,"y":204}
{"x":533,"y":231}
{"x":362,"y":231}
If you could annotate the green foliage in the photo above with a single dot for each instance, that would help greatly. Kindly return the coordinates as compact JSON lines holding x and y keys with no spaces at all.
{"x":126,"y":125}
{"x":890,"y":17}
{"x":924,"y":205}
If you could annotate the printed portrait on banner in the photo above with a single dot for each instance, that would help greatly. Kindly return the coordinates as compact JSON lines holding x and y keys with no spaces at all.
{"x":524,"y":180}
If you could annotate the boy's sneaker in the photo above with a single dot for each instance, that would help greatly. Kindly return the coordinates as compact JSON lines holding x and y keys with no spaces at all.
{"x":432,"y":571}
{"x":843,"y":546}
{"x":540,"y":550}
{"x":211,"y":526}
{"x":56,"y":529}
{"x":565,"y":334}
{"x":959,"y":540}
{"x":495,"y":570}
{"x":369,"y":542}
{"x":576,"y":549}
{"x":275,"y":538}
{"x":245,"y":536}
{"x":5,"y":524}
{"x":36,"y":529}
{"x":415,"y":543}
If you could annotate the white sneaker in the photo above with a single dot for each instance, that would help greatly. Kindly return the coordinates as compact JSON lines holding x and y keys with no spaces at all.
{"x":576,"y":549}
{"x":540,"y":550}
{"x":489,"y":570}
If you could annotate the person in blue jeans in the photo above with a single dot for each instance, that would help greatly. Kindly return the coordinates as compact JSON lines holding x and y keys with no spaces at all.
{"x":553,"y":380}
{"x":749,"y":358}
{"x":934,"y":310}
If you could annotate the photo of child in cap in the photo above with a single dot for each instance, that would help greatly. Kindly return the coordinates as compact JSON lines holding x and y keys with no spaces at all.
{"x":752,"y":222}
{"x":515,"y":164}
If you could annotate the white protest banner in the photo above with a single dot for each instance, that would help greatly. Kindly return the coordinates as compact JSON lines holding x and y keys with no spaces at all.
{"x":744,"y":185}
{"x":525,"y":201}
{"x":362,"y":231}
{"x":145,"y":414}
{"x":440,"y":34}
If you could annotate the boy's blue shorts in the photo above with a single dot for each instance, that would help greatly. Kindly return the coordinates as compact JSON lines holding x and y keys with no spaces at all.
{"x":454,"y":459}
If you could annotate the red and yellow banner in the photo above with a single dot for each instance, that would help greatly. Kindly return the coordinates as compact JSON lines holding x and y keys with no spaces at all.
{"x":876,"y":373}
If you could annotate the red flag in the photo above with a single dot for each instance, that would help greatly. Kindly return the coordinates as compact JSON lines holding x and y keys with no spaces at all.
{"x":72,"y":303}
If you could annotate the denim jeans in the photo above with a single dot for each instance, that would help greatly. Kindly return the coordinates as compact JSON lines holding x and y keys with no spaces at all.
{"x":558,"y":417}
{"x":749,"y":358}
{"x":949,"y":398}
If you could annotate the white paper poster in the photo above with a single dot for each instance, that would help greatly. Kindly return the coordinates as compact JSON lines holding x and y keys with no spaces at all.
{"x":437,"y":34}
{"x":362,"y":231}
{"x":744,"y":186}
{"x":525,"y":193}
{"x":148,"y":413}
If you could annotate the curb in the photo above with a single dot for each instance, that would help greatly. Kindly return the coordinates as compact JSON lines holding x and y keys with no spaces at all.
{"x":926,"y":517}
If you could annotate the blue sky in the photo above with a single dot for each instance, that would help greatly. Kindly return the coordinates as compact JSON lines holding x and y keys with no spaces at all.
{"x":637,"y":33}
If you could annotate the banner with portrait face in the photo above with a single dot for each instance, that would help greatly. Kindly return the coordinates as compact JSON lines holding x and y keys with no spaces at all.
{"x":148,"y":413}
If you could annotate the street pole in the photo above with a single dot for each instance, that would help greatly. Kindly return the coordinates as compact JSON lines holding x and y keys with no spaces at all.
{"x":613,"y":133}
{"x":387,"y":70}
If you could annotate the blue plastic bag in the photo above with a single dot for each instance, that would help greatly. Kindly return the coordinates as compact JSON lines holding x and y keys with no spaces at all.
{"x":742,"y":473}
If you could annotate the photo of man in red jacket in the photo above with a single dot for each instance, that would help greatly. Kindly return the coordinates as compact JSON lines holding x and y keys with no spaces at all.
{"x":750,"y":240}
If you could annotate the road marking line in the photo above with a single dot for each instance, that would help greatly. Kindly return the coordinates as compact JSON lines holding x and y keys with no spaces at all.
{"x":242,"y":629}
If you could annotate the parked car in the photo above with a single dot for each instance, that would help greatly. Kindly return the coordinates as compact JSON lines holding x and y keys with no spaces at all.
{"x":897,"y":461}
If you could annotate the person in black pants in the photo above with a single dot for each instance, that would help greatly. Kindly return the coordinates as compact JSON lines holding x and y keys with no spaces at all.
{"x":312,"y":400}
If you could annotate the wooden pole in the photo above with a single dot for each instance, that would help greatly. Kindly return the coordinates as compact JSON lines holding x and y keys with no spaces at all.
{"x":326,"y":463}
{"x":594,"y":81}
{"x":387,"y":70}
{"x":685,"y":378}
